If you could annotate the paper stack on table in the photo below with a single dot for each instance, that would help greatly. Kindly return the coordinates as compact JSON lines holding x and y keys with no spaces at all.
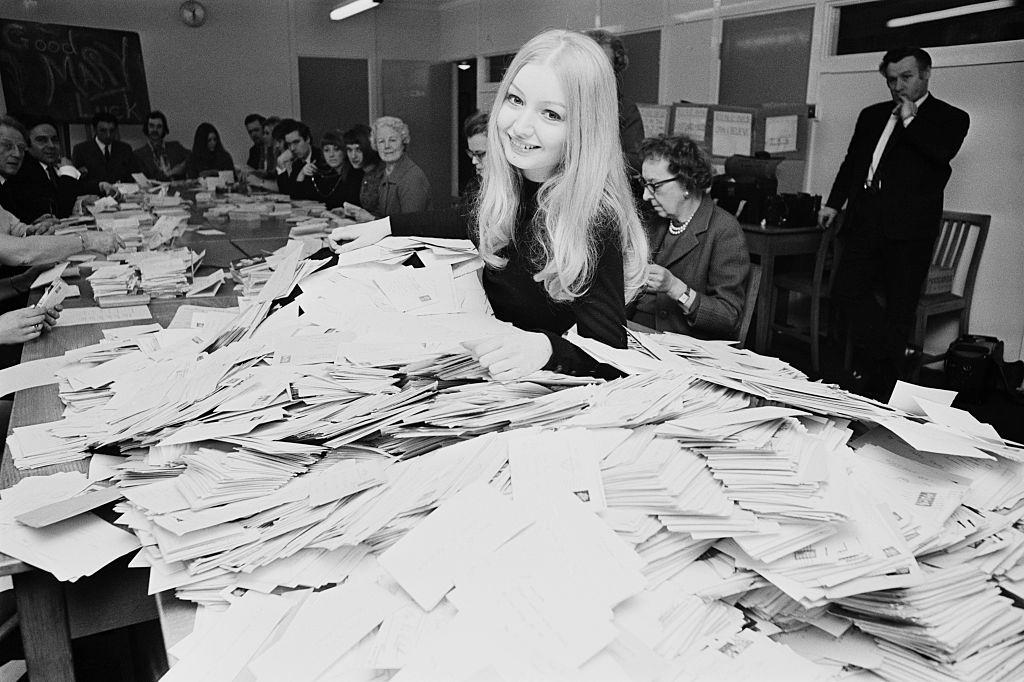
{"x":955,"y":623}
{"x":251,"y":274}
{"x":665,"y":525}
{"x":113,"y":280}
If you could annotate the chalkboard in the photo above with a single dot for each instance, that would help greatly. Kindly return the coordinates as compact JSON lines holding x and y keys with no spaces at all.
{"x":72,"y":72}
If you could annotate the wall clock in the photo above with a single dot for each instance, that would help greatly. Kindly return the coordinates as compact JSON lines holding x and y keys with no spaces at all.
{"x":192,"y":13}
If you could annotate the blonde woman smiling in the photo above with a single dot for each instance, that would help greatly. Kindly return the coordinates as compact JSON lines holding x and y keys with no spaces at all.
{"x":554,"y":221}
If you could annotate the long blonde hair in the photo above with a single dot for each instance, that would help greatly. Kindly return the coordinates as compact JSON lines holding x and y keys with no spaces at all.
{"x":587,"y":200}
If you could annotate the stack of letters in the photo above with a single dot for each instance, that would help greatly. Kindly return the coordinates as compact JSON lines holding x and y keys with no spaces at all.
{"x":347,"y":496}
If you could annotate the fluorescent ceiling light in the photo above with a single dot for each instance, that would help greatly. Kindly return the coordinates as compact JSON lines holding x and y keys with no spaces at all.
{"x":950,"y":13}
{"x":346,"y":9}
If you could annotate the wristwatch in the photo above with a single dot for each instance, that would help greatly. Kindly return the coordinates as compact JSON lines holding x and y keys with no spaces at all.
{"x":688,"y":298}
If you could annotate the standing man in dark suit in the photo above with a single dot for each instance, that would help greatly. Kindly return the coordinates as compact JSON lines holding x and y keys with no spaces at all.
{"x":299,"y":162}
{"x":104,"y":158}
{"x":891,"y":182}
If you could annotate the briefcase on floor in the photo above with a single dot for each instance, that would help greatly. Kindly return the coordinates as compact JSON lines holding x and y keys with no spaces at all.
{"x":971,"y":365}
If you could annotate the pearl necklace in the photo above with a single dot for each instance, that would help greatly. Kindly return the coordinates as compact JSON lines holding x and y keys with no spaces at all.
{"x":678,"y":227}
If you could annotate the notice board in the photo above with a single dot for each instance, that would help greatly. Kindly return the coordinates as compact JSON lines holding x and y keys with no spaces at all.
{"x":72,"y":72}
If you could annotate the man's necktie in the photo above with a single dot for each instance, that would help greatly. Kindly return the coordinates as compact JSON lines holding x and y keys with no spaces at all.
{"x":52,"y":174}
{"x":106,"y":153}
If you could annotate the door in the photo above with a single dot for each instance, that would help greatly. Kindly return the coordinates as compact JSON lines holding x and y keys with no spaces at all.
{"x":640,"y":79}
{"x":333,"y":94}
{"x":420,"y":93}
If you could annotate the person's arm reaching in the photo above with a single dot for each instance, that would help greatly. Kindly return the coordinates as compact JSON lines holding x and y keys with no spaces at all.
{"x":41,"y":249}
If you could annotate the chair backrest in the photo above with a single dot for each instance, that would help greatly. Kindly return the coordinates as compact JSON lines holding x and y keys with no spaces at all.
{"x":958,"y":247}
{"x":750,"y":301}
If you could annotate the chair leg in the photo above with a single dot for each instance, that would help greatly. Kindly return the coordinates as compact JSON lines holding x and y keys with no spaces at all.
{"x":816,"y":335}
{"x":920,"y":328}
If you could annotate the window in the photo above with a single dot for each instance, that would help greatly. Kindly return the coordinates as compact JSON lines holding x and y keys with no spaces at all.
{"x":862,"y":27}
{"x":497,"y":65}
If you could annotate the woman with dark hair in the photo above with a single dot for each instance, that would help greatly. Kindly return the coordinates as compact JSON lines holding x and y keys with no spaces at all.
{"x":362,"y":159}
{"x":329,"y":178}
{"x":475,"y":130}
{"x":208,"y":154}
{"x":697,"y":280}
{"x":360,"y":165}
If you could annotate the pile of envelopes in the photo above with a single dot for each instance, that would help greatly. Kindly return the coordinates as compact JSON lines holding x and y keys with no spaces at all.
{"x":347,"y":496}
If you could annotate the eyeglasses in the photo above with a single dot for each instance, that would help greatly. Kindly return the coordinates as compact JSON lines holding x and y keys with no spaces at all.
{"x":478,"y":156}
{"x":7,"y":146}
{"x":652,"y":186}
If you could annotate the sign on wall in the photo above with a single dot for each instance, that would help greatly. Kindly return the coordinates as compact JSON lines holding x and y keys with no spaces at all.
{"x":72,"y":72}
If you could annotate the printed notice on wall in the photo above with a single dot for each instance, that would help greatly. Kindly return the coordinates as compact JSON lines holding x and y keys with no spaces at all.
{"x":691,"y":121}
{"x":655,"y":120}
{"x":732,"y":133}
{"x":780,"y":134}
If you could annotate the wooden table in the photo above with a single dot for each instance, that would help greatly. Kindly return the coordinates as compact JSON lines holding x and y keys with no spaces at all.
{"x":52,"y":613}
{"x":766,"y":244}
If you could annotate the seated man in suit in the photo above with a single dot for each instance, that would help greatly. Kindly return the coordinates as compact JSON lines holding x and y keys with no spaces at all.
{"x":260,"y":151}
{"x":104,"y":158}
{"x":161,"y":159}
{"x":47,"y":185}
{"x":299,"y":162}
{"x":13,"y":149}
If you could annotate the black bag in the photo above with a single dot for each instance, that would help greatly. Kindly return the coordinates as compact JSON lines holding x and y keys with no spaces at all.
{"x":794,"y":210}
{"x":974,"y":365}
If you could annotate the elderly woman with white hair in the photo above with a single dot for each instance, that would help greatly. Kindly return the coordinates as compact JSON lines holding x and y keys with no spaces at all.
{"x":398,"y":185}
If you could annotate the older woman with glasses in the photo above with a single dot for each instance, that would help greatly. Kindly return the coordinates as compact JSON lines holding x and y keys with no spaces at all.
{"x":475,"y":129}
{"x":697,"y":280}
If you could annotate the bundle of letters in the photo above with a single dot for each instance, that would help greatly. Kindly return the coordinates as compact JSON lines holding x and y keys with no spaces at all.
{"x":161,"y":274}
{"x":345,"y":495}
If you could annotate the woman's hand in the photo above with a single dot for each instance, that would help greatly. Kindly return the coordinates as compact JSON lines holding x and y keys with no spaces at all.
{"x":308,"y":171}
{"x":356,"y":236}
{"x":511,"y":356}
{"x":19,"y":326}
{"x":659,"y":279}
{"x":357,"y":213}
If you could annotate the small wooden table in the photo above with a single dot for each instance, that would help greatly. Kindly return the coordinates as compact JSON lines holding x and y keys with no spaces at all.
{"x":766,"y":244}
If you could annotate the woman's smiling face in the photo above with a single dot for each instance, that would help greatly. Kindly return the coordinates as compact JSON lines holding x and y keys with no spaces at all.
{"x":532,"y":122}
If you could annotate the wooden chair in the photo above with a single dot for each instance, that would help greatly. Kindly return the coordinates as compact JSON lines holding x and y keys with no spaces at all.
{"x":957,"y":254}
{"x":749,"y":302}
{"x":816,"y":285}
